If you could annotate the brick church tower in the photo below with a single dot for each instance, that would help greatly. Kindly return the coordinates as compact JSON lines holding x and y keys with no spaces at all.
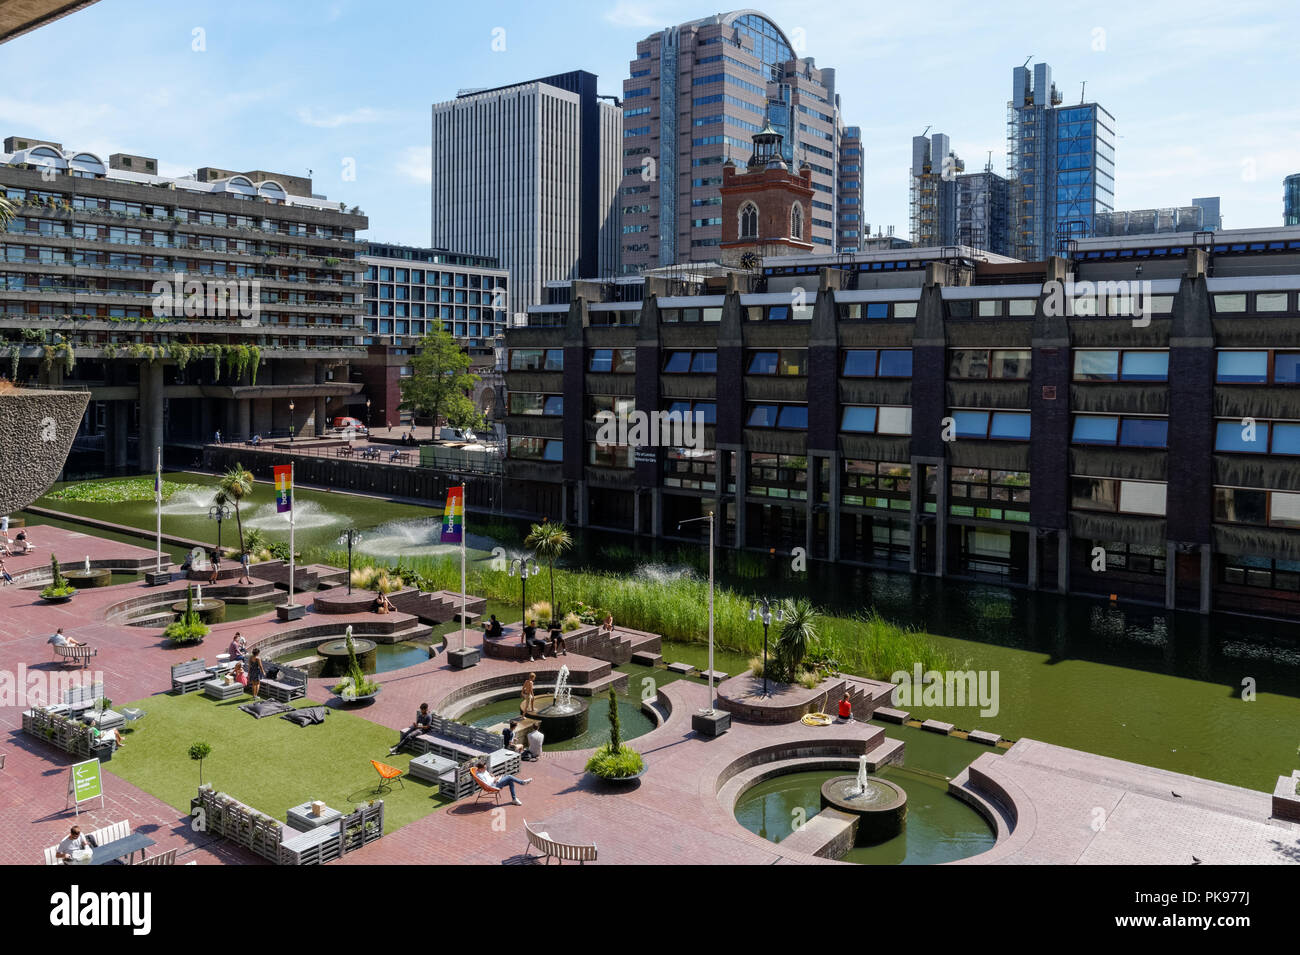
{"x":765,"y":208}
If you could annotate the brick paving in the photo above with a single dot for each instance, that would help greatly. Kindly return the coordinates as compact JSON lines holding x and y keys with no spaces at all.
{"x":672,"y":815}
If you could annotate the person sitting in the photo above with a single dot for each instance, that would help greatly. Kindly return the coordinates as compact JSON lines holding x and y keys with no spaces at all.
{"x":508,"y":740}
{"x":557,"y":641}
{"x":493,"y":629}
{"x":846,"y":708}
{"x":75,"y":842}
{"x":608,"y":623}
{"x":59,"y":640}
{"x":536,"y":645}
{"x":22,"y":545}
{"x":6,"y":545}
{"x":236,"y":648}
{"x":508,"y":781}
{"x":238,"y":674}
{"x":257,"y":439}
{"x":535,"y":740}
{"x":423,"y":723}
{"x":4,"y":572}
{"x":383,"y":604}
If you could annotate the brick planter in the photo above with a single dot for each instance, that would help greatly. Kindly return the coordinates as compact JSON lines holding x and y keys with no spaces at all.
{"x":1286,"y":801}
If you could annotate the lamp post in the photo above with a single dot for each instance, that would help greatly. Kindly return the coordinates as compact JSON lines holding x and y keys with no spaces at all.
{"x":350,"y":537}
{"x":367,"y":417}
{"x":219,"y":513}
{"x":525,"y":571}
{"x":290,"y":420}
{"x":763,"y":608}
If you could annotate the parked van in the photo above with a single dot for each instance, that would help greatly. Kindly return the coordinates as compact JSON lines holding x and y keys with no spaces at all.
{"x":456,"y":434}
{"x":345,"y":425}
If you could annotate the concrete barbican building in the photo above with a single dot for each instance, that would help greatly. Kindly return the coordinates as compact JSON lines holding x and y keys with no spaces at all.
{"x":262,"y":335}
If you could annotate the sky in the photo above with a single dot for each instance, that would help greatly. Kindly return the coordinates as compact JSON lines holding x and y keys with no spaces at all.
{"x":1204,"y":93}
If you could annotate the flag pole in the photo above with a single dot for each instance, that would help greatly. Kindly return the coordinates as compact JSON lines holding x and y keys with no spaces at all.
{"x":157,"y":502}
{"x":464,"y":514}
{"x":292,"y":555}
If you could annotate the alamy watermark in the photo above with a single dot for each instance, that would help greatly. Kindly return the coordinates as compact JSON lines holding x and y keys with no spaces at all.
{"x":192,"y":298}
{"x":645,"y":429}
{"x":1122,"y":298}
{"x":26,"y":688}
{"x":933,"y":688}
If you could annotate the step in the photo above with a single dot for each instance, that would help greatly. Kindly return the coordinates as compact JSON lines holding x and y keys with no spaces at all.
{"x":646,"y":658}
{"x":982,"y":736}
{"x":470,"y":616}
{"x":682,"y":668}
{"x":600,"y":686}
{"x":718,"y":675}
{"x":937,"y":726}
{"x":890,"y":751}
{"x":890,"y":715}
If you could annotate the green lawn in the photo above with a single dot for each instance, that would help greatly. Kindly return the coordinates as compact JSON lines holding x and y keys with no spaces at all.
{"x":269,"y":764}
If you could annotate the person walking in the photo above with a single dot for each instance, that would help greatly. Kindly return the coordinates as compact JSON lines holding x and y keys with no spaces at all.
{"x":244,"y":561}
{"x":255,"y":672}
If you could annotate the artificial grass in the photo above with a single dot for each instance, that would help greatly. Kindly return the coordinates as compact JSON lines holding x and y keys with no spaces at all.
{"x":269,"y":764}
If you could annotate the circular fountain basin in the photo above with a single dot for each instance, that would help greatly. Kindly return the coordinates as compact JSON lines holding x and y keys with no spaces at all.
{"x":881,"y":809}
{"x":559,"y":723}
{"x":209,"y":609}
{"x":335,"y":653}
{"x":85,"y":579}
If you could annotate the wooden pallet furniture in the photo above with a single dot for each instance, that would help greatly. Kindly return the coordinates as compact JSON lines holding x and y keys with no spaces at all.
{"x":190,"y":675}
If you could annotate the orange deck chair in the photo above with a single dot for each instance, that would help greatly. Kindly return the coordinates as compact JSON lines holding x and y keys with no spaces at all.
{"x":386,"y":775}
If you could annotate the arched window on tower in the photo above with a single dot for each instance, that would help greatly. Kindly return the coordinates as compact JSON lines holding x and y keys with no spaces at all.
{"x":796,"y":221}
{"x":749,"y":221}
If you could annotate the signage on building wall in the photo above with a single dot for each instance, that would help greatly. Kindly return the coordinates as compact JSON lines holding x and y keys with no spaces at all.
{"x":1049,"y":392}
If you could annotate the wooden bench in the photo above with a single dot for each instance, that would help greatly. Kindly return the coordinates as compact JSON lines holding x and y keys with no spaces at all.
{"x":76,"y":653}
{"x":343,"y":453}
{"x":78,"y":699}
{"x":288,"y":683}
{"x":553,"y":849}
{"x":190,"y":675}
{"x":315,"y":847}
{"x":162,"y":858}
{"x":100,"y":837}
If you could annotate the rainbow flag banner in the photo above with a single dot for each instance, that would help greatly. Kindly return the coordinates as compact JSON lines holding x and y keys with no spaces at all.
{"x":284,"y":487}
{"x":453,"y":516}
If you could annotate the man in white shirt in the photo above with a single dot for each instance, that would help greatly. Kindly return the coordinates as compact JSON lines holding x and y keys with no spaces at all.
{"x":535,"y":740}
{"x":72,"y":843}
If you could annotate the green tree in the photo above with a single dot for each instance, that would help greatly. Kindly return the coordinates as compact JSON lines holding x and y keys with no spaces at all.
{"x":234,"y":486}
{"x":550,"y":539}
{"x":199,"y":752}
{"x":798,"y":632}
{"x":440,"y":381}
{"x":7,"y":211}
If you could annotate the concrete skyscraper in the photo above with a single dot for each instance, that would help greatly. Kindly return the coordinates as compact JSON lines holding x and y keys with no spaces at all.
{"x":933,"y":191}
{"x":1061,"y":163}
{"x":695,"y":95}
{"x":528,"y":174}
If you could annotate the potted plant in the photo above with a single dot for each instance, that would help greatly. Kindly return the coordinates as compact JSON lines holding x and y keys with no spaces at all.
{"x":188,"y":629}
{"x":355,"y":687}
{"x":199,"y":751}
{"x":59,"y":591}
{"x":616,"y":762}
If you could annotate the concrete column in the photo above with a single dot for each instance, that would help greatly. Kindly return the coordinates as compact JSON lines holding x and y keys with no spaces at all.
{"x":1062,"y":562}
{"x":1033,"y":558}
{"x":1171,"y":574}
{"x":155,"y":408}
{"x":321,"y":417}
{"x":1207,"y":576}
{"x":833,"y":511}
{"x":146,"y":439}
{"x":120,"y":424}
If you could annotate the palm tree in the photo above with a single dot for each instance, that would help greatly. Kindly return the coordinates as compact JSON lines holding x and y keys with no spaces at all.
{"x":7,"y":211}
{"x":234,"y":486}
{"x":797,"y":632}
{"x":550,"y":539}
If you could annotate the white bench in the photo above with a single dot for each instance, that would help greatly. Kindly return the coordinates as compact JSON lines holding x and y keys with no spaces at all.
{"x":76,"y":653}
{"x":551,"y":848}
{"x":101,"y":837}
{"x":162,"y":858}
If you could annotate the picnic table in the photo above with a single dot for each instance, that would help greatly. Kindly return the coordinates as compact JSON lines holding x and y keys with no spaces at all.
{"x":128,"y":846}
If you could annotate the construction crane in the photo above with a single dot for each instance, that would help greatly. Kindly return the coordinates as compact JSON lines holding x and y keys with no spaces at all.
{"x":1027,"y":59}
{"x":1082,"y":91}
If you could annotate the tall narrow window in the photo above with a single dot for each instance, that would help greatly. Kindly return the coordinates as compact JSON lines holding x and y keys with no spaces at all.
{"x":749,"y":221}
{"x":796,"y":221}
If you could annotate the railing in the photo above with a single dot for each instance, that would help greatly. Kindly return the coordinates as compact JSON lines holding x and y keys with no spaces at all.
{"x":427,"y":457}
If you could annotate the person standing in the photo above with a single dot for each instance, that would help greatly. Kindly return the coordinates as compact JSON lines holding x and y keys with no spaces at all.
{"x":244,"y":561}
{"x":255,"y":672}
{"x":216,"y":566}
{"x":218,"y":436}
{"x":526,"y":704}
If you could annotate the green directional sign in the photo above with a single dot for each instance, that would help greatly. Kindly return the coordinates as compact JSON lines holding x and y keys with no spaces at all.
{"x":86,"y":781}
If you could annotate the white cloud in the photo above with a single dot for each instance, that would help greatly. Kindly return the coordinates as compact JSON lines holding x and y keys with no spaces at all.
{"x":363,"y":114}
{"x":416,"y":164}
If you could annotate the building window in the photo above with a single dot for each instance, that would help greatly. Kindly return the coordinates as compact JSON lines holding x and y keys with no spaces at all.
{"x":1124,"y":432}
{"x":989,"y":494}
{"x":707,"y":411}
{"x":748,"y":221}
{"x":1236,"y":505}
{"x":882,"y":363}
{"x":1125,"y":497}
{"x":783,"y":476}
{"x":1258,"y":367}
{"x":1090,"y":365}
{"x":1258,"y":437}
{"x":692,"y":469}
{"x":881,"y":484}
{"x":536,"y":449}
{"x":616,"y":360}
{"x":528,"y":403}
{"x":691,"y":362}
{"x":796,"y":221}
{"x":981,"y":364}
{"x":536,"y":359}
{"x":785,"y":361}
{"x":1263,"y":572}
{"x":610,"y":455}
{"x":860,"y":419}
{"x":778,"y":416}
{"x":996,"y":425}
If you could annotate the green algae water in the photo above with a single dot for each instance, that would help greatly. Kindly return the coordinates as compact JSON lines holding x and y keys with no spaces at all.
{"x":1216,"y":697}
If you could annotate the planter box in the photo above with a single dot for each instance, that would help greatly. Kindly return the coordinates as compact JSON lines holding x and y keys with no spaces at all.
{"x":463,"y":658}
{"x":710,"y":724}
{"x":153,"y":578}
{"x":1286,"y":801}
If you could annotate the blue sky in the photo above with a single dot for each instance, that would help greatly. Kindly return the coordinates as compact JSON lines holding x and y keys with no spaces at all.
{"x":1204,"y":93}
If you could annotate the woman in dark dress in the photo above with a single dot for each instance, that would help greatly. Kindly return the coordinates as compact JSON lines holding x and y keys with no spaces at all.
{"x":255,"y":672}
